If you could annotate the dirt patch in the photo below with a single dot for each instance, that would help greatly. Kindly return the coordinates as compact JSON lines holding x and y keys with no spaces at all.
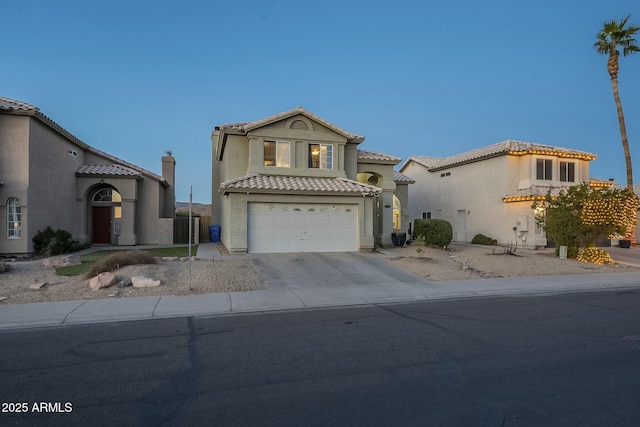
{"x":460,"y":262}
{"x":206,"y":277}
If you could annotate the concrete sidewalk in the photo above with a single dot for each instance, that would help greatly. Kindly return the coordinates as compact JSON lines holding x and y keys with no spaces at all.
{"x":289,"y":298}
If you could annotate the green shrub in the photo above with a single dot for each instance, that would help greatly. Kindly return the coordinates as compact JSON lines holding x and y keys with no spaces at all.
{"x":481,"y":239}
{"x":436,"y":232}
{"x":48,"y":242}
{"x":118,"y":260}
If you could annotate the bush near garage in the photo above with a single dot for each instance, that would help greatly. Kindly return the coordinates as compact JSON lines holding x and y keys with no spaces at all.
{"x":435,"y":232}
{"x":48,"y":242}
{"x":481,"y":239}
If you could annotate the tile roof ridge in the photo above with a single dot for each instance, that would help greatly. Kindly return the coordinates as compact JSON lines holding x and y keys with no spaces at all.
{"x":14,"y":104}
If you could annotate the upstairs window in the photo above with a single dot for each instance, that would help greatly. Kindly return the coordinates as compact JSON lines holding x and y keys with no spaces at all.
{"x":276,"y":153}
{"x":14,"y":218}
{"x":567,"y":172}
{"x":321,"y":156}
{"x":543,"y":169}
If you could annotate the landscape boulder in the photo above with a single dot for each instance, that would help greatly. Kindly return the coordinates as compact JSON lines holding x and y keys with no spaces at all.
{"x":37,"y":286}
{"x":144,"y":282}
{"x":62,"y":261}
{"x":102,"y":280}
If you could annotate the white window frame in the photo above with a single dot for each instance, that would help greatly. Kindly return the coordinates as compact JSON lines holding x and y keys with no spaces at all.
{"x":545,"y":170}
{"x":565,"y":177}
{"x":14,"y":218}
{"x":282,"y":157}
{"x":325,"y":156}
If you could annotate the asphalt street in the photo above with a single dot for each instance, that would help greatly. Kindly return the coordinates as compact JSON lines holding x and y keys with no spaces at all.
{"x":566,"y":359}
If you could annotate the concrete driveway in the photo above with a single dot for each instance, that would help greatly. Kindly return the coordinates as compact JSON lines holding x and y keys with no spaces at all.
{"x":330,"y":269}
{"x":629,"y":256}
{"x":342,"y":277}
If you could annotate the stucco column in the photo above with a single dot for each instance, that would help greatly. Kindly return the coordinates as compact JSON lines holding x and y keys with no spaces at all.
{"x":386,"y":217}
{"x":127,"y":228}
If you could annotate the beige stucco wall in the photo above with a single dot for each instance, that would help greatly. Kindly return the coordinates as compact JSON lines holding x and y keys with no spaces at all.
{"x":14,"y":175}
{"x":244,"y":155}
{"x":470,"y":197}
{"x":299,"y":141}
{"x":37,"y":167}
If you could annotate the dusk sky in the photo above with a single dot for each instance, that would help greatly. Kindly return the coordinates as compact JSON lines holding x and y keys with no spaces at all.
{"x":138,"y":78}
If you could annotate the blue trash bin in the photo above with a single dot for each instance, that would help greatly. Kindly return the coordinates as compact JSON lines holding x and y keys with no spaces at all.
{"x":214,"y":233}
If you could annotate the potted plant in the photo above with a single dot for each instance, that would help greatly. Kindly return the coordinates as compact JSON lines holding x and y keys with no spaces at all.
{"x":398,"y":238}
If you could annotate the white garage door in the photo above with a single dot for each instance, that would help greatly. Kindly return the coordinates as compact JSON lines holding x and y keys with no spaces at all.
{"x":292,"y":227}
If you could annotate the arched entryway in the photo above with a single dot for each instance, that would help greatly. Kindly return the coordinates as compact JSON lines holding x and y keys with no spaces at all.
{"x":106,"y":215}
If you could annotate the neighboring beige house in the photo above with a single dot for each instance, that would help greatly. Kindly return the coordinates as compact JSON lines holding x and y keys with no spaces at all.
{"x":294,"y":182}
{"x":490,"y":190}
{"x":48,"y":177}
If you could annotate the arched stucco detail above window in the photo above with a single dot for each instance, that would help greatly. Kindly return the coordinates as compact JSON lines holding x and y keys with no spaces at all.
{"x":299,"y":123}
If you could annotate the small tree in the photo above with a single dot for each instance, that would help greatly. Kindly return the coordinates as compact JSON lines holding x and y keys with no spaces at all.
{"x":609,"y":213}
{"x":581,"y":214}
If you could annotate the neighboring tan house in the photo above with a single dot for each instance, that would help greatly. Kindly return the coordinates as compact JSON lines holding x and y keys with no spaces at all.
{"x":491,"y":190}
{"x":294,"y":182}
{"x":48,"y":177}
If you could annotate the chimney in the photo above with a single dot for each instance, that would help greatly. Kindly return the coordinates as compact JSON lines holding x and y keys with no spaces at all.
{"x":169,"y":174}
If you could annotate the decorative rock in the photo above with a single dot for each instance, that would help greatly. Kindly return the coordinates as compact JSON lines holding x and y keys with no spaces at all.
{"x":124,"y":283}
{"x":62,"y":261}
{"x":102,"y":280}
{"x":3,"y":298}
{"x":38,"y":286}
{"x":169,"y":258}
{"x":144,"y":282}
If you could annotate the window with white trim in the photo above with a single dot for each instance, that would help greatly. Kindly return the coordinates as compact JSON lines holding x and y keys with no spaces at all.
{"x":321,"y":156}
{"x":567,"y":172}
{"x":276,"y":153}
{"x":544,"y":169}
{"x":14,"y":218}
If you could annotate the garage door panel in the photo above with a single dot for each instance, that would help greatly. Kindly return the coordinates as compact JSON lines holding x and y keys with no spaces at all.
{"x":274,"y":227}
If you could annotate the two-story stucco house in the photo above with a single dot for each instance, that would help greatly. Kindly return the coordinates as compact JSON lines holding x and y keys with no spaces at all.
{"x":48,"y":177}
{"x":491,"y":190}
{"x":293,"y":182}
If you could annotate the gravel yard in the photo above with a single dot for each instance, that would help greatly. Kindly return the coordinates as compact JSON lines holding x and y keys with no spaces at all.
{"x":458,"y":262}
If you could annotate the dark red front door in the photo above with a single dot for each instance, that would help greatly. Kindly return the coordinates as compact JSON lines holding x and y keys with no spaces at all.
{"x":102,"y":224}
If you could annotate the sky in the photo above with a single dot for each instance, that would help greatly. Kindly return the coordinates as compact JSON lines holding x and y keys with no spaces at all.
{"x":136,"y":78}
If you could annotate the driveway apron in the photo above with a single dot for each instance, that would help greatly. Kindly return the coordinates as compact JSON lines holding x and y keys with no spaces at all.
{"x":338,"y":278}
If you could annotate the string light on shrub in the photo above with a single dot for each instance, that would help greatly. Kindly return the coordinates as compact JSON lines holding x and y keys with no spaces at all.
{"x":595,"y":255}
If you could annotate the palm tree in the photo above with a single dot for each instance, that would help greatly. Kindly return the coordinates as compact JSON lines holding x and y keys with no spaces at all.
{"x":612,"y":37}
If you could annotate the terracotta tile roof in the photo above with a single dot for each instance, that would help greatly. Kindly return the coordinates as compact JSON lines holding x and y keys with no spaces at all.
{"x":19,"y":107}
{"x":597,"y":182}
{"x":296,"y":184}
{"x":402,"y":178}
{"x":9,"y":104}
{"x":535,"y":192}
{"x":378,"y":157}
{"x":499,"y":149}
{"x":248,"y":126}
{"x":110,"y":170}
